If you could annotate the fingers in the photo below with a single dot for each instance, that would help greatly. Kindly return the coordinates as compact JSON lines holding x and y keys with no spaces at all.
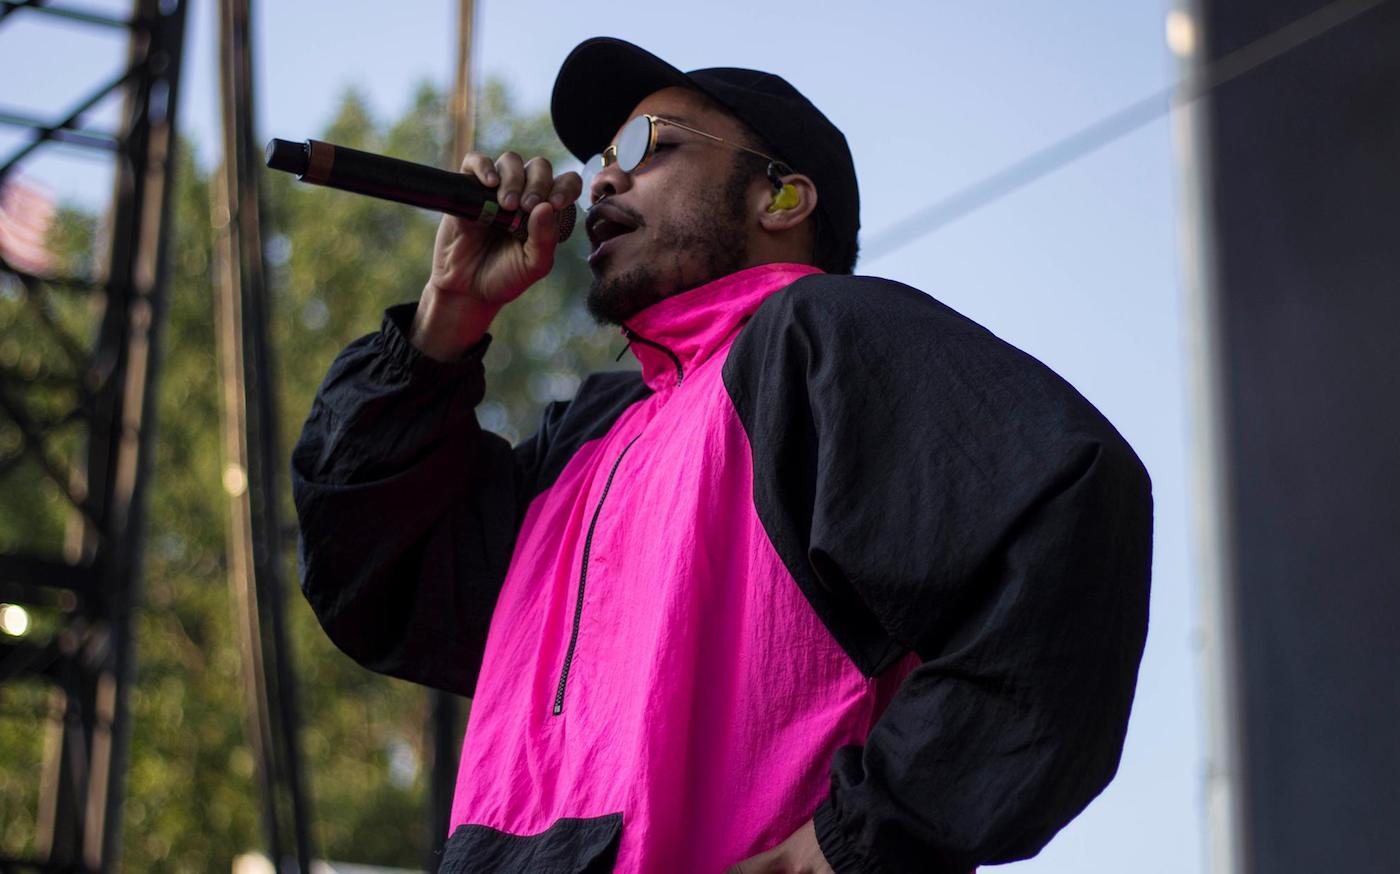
{"x":480,"y":166}
{"x":523,"y":184}
{"x":539,"y":182}
{"x":512,"y":173}
{"x":567,"y":189}
{"x":543,"y":237}
{"x":752,"y":865}
{"x":507,"y":174}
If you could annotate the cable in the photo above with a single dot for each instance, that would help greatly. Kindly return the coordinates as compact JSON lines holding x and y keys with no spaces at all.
{"x":1112,"y":127}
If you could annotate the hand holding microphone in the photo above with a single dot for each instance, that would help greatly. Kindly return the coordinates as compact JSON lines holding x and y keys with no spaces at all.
{"x":502,"y":222}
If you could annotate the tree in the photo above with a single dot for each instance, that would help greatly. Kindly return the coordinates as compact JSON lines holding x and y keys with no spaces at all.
{"x":43,"y":329}
{"x":335,"y":261}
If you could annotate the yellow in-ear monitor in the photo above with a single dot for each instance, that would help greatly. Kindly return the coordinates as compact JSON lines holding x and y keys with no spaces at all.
{"x":786,"y":198}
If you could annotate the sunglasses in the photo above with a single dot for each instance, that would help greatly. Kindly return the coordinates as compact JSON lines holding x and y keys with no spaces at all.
{"x":636,"y":145}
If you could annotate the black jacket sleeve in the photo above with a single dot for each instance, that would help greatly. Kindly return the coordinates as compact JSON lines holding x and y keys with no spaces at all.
{"x":936,"y":491}
{"x":407,"y":508}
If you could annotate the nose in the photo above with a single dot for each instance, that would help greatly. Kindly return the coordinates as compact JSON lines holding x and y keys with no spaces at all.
{"x":609,"y":181}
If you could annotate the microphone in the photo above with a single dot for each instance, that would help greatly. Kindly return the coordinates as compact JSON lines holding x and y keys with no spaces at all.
{"x":403,"y":182}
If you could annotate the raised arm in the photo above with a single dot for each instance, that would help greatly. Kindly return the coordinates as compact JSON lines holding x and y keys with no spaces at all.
{"x":408,"y":510}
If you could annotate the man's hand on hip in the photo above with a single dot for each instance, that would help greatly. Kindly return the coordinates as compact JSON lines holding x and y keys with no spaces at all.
{"x":799,"y":854}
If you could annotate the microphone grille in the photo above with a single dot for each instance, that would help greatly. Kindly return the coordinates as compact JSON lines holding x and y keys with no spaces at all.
{"x":565,"y":221}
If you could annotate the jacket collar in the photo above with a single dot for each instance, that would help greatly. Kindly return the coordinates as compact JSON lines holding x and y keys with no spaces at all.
{"x":672,"y":337}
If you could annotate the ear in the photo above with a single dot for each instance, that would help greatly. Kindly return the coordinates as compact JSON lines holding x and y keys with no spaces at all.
{"x":779,"y":211}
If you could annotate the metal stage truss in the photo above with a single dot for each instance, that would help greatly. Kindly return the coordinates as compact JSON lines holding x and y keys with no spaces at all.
{"x":76,"y":427}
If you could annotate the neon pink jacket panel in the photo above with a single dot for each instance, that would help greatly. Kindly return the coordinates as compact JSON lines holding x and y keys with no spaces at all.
{"x":704,"y":698}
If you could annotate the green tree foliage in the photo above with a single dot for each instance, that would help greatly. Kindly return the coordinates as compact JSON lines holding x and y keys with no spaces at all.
{"x":44,"y":329}
{"x":335,"y":261}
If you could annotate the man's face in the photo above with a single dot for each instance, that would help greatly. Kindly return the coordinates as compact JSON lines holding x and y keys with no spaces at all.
{"x":686,"y":205}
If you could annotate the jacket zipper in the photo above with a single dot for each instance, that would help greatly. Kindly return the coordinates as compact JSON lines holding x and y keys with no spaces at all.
{"x":634,"y":337}
{"x":583,"y":579}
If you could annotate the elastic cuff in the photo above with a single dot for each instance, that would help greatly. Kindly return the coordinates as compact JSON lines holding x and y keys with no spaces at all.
{"x":840,"y":853}
{"x":402,"y":354}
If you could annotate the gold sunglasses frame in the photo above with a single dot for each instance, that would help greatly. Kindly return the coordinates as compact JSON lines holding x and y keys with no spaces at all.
{"x":608,"y":156}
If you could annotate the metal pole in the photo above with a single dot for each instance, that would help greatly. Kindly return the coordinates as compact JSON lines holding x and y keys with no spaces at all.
{"x":463,"y":91}
{"x":251,"y":469}
{"x":1219,"y":658}
{"x":448,"y":712}
{"x":120,"y":463}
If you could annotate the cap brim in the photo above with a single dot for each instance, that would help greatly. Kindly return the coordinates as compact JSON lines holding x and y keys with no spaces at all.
{"x":598,"y":86}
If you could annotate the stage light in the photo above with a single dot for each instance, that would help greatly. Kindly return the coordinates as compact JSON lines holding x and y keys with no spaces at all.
{"x":14,"y":620}
{"x":1181,"y":33}
{"x":235,"y":479}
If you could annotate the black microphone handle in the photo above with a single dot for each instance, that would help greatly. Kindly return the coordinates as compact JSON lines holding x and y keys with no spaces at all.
{"x":401,"y":181}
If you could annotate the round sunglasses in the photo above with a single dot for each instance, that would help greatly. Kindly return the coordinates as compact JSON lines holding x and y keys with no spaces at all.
{"x":636,"y":144}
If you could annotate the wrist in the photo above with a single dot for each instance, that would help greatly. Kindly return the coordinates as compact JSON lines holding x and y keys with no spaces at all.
{"x":445,"y":325}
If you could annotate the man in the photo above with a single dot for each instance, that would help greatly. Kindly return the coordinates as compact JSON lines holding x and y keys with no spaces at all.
{"x":838,"y":582}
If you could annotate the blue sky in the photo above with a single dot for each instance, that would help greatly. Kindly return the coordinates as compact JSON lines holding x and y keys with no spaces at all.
{"x":1080,"y":268}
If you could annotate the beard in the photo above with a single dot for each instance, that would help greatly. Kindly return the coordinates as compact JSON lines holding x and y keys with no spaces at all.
{"x":712,"y":231}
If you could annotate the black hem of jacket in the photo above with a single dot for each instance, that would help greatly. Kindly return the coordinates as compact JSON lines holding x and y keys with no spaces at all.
{"x":838,"y":851}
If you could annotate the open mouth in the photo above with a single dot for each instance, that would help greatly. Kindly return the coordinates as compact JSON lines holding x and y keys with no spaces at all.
{"x":607,"y":222}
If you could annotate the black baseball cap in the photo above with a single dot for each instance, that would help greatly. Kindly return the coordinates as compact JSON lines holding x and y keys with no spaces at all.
{"x":603,"y":79}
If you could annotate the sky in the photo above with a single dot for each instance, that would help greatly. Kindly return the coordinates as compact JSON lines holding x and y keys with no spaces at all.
{"x":1080,"y":268}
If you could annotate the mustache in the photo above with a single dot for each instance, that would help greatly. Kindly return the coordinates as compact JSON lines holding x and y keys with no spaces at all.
{"x":627,"y":212}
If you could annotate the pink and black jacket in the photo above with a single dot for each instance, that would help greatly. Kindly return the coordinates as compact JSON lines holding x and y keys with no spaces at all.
{"x":836,"y":552}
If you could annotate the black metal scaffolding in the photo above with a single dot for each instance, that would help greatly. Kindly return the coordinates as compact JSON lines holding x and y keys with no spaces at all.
{"x":82,"y":427}
{"x":85,"y":422}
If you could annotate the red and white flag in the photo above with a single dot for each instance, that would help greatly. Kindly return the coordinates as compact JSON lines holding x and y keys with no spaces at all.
{"x":26,"y":213}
